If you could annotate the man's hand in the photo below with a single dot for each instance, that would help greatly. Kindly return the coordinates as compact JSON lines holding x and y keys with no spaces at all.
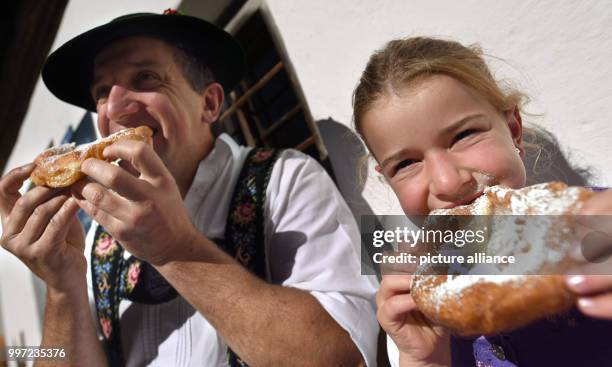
{"x":42,"y":230}
{"x":146,"y":213}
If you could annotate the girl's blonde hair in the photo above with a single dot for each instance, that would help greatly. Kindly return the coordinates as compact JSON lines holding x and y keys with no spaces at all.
{"x":404,"y":62}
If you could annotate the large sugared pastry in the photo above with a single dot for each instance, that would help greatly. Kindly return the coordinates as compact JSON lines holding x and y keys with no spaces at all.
{"x":61,"y":166}
{"x":496,"y":298}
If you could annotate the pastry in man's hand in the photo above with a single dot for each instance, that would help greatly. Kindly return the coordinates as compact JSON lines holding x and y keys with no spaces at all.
{"x":61,"y":166}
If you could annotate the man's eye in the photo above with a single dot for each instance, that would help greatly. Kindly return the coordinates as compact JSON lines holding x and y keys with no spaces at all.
{"x":101,"y":93}
{"x":146,"y":79}
{"x":145,"y":76}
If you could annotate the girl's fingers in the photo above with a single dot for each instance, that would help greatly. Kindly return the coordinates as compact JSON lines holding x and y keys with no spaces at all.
{"x":589,"y":284}
{"x":597,"y":306}
{"x":394,"y":309}
{"x":392,"y":285}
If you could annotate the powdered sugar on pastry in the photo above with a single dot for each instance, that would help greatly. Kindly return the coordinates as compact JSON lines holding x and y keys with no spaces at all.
{"x":61,"y":166}
{"x":533,"y":224}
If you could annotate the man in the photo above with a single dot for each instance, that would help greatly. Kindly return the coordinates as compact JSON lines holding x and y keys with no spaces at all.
{"x":190,"y":303}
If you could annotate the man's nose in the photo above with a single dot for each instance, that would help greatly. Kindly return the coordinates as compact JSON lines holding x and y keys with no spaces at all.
{"x":447,"y":179}
{"x":120,"y":103}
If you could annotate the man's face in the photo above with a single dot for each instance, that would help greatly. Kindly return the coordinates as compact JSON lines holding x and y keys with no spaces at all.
{"x":138,"y":82}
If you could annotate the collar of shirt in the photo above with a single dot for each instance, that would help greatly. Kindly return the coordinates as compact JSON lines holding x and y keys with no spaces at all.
{"x":207,"y":200}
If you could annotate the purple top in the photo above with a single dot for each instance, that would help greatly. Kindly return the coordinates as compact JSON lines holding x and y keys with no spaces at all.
{"x":569,"y":340}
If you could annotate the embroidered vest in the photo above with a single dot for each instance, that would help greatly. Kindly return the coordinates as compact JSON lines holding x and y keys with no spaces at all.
{"x":114,"y":277}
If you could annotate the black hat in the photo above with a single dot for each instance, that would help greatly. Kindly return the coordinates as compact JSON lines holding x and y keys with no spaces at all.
{"x":68,"y":71}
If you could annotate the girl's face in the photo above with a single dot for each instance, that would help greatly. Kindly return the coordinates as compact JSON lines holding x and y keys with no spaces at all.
{"x":439,"y":144}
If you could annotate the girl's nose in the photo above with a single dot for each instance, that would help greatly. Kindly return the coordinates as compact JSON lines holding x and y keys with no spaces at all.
{"x":120,"y":103}
{"x":447,"y":180}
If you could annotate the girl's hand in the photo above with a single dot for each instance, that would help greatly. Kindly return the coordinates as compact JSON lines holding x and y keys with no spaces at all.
{"x":595,"y":294}
{"x":419,"y":342}
{"x":593,"y":284}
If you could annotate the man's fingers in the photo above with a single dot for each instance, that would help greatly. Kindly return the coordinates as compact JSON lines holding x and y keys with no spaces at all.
{"x":106,"y":220}
{"x":12,"y":181}
{"x":25,"y":207}
{"x":141,"y":156}
{"x":59,"y":224}
{"x":40,"y":219}
{"x":113,"y":177}
{"x":10,"y":185}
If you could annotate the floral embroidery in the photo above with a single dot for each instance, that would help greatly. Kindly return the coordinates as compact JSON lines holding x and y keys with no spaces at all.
{"x":106,"y":327}
{"x":132,"y":276}
{"x":244,"y":230}
{"x":113,"y":278}
{"x":243,"y":256}
{"x":244,"y":213}
{"x":105,"y":245}
{"x":262,"y":155}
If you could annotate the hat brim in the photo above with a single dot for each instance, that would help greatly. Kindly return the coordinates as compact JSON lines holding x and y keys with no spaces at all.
{"x":68,"y":71}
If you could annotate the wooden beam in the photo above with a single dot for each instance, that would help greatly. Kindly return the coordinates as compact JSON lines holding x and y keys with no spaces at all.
{"x":306,"y":143}
{"x":286,"y":117}
{"x":257,"y":86}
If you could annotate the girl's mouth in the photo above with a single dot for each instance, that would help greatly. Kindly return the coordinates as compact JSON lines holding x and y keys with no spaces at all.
{"x":465,"y":200}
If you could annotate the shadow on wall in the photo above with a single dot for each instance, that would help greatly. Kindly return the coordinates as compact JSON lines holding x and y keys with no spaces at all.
{"x":545,"y":161}
{"x":345,"y":153}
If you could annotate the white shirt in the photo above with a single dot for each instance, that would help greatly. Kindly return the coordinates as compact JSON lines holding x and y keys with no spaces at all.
{"x":312,"y":244}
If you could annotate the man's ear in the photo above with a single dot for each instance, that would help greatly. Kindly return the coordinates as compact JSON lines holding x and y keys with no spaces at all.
{"x":515,"y":124}
{"x":212,"y":102}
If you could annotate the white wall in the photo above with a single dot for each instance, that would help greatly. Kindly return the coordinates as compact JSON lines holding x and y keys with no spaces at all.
{"x":48,"y":118}
{"x":557,"y":51}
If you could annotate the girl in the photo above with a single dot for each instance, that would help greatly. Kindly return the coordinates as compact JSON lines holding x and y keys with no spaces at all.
{"x":440,"y":127}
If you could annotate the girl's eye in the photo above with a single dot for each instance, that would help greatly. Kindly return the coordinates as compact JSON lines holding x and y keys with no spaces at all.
{"x":404,"y":164}
{"x":464,"y":134}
